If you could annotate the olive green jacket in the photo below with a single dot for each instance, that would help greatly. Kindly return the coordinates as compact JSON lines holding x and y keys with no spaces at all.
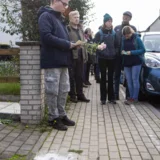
{"x":73,"y":37}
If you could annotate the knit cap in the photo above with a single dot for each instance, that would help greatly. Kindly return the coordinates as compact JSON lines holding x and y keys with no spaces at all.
{"x":106,"y":17}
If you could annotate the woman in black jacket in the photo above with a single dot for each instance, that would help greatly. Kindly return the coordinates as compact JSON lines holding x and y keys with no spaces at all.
{"x":106,"y":58}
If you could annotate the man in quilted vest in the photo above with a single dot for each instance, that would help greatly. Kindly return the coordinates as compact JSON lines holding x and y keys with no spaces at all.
{"x":79,"y":58}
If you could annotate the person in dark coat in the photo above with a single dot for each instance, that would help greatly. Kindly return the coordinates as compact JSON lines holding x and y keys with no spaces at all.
{"x":55,"y":59}
{"x":106,"y":58}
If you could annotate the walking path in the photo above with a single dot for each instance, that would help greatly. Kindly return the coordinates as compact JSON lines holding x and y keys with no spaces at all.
{"x":108,"y":132}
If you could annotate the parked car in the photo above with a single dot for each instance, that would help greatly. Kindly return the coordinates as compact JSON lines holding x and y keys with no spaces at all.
{"x":150,"y":73}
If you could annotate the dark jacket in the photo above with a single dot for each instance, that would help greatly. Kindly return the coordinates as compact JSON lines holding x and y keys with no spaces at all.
{"x":108,"y":37}
{"x":55,"y":44}
{"x":118,"y":40}
{"x":137,"y":49}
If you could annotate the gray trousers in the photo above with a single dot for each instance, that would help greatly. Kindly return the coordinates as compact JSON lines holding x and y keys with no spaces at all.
{"x":56,"y":88}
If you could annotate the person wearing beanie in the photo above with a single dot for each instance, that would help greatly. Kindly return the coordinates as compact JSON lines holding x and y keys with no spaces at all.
{"x":106,"y":58}
{"x":127,"y":16}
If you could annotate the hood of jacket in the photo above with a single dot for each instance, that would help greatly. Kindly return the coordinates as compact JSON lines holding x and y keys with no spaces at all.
{"x":48,"y":9}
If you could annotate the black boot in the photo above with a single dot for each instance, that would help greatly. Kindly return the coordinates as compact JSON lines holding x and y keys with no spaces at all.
{"x":82,"y":98}
{"x":66,"y":121}
{"x":112,"y":101}
{"x":57,"y":124}
{"x":116,"y":97}
{"x":84,"y":85}
{"x":103,"y":102}
{"x":73,"y":99}
{"x":88,"y":83}
{"x":98,"y":80}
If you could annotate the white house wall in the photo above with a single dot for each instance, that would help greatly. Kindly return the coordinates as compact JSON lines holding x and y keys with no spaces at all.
{"x":155,"y":27}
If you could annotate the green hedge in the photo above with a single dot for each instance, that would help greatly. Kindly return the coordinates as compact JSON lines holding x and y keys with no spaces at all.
{"x":9,"y":88}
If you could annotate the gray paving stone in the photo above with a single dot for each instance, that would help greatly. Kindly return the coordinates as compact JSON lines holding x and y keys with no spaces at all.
{"x":26,"y":147}
{"x":146,"y":156}
{"x":113,"y":149}
{"x":124,"y":154}
{"x":136,"y":158}
{"x":9,"y":139}
{"x":149,"y":145}
{"x":93,"y":155}
{"x":1,"y":149}
{"x":156,"y":157}
{"x":103,"y":158}
{"x":134,"y":152}
{"x":6,"y":131}
{"x":15,"y":135}
{"x":153,"y":151}
{"x":103,"y":152}
{"x":6,"y":155}
{"x":114,"y":155}
{"x":12,"y":149}
{"x":17,"y":143}
{"x":4,"y":144}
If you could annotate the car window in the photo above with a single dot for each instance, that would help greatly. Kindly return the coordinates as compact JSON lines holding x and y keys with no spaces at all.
{"x":152,"y":42}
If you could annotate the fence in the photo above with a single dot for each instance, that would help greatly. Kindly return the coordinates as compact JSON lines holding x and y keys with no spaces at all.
{"x":9,"y":65}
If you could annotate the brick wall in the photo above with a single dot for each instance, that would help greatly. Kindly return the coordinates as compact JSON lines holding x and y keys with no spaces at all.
{"x":32,"y":83}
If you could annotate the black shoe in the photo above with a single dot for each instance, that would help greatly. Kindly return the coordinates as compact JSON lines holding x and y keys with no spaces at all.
{"x":103,"y":102}
{"x":112,"y":101}
{"x":85,"y":86}
{"x":57,"y":124}
{"x":67,"y":121}
{"x":116,"y":97}
{"x":73,"y":99}
{"x":98,"y":80}
{"x":88,"y":83}
{"x":83,"y":99}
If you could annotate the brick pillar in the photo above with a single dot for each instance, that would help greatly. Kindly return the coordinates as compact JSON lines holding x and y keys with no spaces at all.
{"x":32,"y":83}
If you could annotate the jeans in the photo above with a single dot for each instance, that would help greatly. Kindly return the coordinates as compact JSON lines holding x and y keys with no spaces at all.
{"x":56,"y":89}
{"x":132,"y":76}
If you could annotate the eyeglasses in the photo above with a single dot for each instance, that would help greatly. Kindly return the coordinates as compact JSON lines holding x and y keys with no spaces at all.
{"x":64,"y":4}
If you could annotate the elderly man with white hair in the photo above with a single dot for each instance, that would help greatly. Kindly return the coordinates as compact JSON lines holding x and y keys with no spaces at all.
{"x":79,"y":58}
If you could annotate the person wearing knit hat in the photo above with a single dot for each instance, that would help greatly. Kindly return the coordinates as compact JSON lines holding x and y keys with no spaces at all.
{"x":106,"y":58}
{"x":127,"y":16}
{"x":106,"y":18}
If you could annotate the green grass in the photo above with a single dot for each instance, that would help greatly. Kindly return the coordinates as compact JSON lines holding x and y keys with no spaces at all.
{"x":75,"y":151}
{"x":9,"y":88}
{"x":17,"y":157}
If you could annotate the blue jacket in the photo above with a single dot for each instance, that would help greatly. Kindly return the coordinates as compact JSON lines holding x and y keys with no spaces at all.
{"x":140,"y":49}
{"x":55,"y":44}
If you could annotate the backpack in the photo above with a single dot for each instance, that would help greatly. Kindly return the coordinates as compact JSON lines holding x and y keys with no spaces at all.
{"x":102,"y":34}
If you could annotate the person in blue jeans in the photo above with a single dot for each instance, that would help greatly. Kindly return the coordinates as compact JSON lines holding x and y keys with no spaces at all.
{"x":133,"y":52}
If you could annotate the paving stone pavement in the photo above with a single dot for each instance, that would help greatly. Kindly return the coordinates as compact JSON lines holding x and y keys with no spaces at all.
{"x":108,"y":132}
